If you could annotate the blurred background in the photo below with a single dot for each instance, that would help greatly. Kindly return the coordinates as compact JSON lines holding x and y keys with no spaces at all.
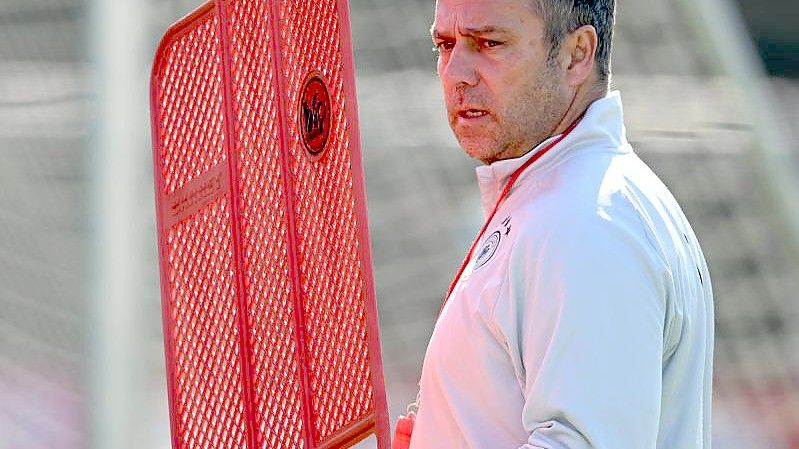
{"x":711,"y":96}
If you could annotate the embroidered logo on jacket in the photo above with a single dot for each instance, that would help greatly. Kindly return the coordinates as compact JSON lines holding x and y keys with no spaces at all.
{"x":488,"y":249}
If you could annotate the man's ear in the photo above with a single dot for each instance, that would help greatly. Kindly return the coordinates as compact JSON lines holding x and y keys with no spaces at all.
{"x":581,"y":44}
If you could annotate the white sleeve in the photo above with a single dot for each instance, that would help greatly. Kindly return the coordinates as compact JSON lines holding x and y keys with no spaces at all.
{"x":584,"y":325}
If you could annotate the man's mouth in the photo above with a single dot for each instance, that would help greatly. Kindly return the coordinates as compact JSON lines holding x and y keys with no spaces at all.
{"x":471,"y":114}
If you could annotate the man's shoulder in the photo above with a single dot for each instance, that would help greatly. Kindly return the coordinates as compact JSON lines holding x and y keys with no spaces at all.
{"x":583,"y":183}
{"x":590,"y":194}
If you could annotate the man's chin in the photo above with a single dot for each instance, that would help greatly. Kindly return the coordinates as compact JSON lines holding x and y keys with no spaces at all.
{"x":479,"y":149}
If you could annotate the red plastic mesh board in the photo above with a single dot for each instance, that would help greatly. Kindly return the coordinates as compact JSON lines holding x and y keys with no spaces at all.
{"x":269,"y":311}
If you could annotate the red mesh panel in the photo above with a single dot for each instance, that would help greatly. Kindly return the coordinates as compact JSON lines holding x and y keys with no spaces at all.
{"x":276,"y":381}
{"x":204,"y":315}
{"x":190,"y":104}
{"x":201,"y":313}
{"x":327,"y":239}
{"x":269,"y":315}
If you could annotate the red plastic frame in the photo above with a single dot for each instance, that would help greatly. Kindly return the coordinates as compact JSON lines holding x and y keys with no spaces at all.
{"x":219,"y":181}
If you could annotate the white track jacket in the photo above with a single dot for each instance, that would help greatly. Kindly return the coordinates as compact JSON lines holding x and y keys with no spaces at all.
{"x":585,"y":316}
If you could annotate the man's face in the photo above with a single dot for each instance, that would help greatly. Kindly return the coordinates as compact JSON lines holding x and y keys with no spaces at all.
{"x":503,"y":94}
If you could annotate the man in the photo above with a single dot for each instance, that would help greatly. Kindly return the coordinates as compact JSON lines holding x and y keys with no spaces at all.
{"x":583,"y":317}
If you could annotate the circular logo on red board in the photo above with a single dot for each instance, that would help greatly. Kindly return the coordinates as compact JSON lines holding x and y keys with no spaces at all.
{"x":315,"y":115}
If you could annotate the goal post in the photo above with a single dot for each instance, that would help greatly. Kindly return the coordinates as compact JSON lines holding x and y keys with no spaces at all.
{"x":724,"y":36}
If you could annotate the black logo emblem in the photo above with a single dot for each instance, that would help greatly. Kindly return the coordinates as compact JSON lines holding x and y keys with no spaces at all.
{"x":315,"y":115}
{"x":488,"y":249}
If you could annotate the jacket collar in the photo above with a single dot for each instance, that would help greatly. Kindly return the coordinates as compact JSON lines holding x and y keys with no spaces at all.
{"x":602,"y":126}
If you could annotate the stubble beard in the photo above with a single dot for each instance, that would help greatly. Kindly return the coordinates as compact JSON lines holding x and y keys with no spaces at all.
{"x":526,"y":121}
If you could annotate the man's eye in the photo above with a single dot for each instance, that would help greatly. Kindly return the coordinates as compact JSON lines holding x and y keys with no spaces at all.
{"x":443,"y":46}
{"x":488,"y":43}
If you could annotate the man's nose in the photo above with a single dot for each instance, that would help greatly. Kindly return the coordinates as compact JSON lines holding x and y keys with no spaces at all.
{"x":460,"y":69}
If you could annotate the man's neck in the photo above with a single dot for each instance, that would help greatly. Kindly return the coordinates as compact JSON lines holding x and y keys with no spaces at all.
{"x":586,"y":94}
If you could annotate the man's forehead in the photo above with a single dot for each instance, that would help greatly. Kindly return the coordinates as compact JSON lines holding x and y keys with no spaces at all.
{"x":480,"y":14}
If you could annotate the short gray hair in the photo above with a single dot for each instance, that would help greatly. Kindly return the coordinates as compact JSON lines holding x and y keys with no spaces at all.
{"x":564,"y":16}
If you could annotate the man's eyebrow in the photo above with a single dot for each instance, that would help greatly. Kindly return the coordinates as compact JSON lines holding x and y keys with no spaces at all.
{"x":488,"y":29}
{"x":473,"y":31}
